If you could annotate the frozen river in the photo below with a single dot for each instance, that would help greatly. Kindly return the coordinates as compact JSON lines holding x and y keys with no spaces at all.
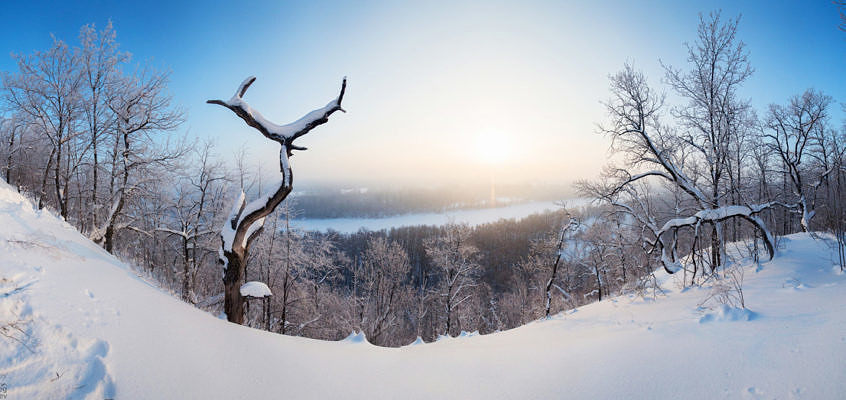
{"x":470,"y":216}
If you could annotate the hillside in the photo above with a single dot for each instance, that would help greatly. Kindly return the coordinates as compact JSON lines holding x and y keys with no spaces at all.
{"x":80,"y":324}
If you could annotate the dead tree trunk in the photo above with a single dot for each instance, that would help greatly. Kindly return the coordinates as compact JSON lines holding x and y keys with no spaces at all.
{"x":246,"y":220}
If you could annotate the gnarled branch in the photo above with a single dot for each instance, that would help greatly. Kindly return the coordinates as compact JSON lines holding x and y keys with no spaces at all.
{"x":284,"y":134}
{"x":246,"y":221}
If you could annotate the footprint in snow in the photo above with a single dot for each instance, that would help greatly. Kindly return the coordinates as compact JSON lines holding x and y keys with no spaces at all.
{"x":50,"y":362}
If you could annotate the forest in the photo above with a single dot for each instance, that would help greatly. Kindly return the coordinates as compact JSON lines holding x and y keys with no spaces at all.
{"x":94,"y":136}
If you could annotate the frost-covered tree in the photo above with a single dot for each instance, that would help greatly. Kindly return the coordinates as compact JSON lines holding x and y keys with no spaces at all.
{"x":571,"y":226}
{"x":100,"y":61}
{"x":714,"y":115}
{"x":46,"y":90}
{"x":795,"y":132}
{"x":11,"y":134}
{"x":456,"y":260}
{"x":599,"y":259}
{"x":548,"y":256}
{"x":143,"y":117}
{"x":384,"y":269}
{"x":245,"y":221}
{"x":192,"y":213}
{"x":691,"y":156}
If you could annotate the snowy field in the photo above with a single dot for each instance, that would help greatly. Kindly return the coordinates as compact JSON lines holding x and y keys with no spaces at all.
{"x":85,"y":326}
{"x":471,"y":216}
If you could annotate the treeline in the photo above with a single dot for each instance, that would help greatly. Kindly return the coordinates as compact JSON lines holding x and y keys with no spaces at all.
{"x":427,"y":281}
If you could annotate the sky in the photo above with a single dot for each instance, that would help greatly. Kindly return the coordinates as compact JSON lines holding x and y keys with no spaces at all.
{"x":450,"y":92}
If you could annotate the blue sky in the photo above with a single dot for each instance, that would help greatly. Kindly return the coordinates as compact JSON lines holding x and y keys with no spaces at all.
{"x":431,"y":82}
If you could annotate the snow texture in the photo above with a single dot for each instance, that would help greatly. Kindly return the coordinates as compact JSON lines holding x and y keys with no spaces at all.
{"x":727,"y":313}
{"x":126,"y":339}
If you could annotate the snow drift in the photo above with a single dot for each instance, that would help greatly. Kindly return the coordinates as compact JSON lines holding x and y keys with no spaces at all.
{"x":77,"y":323}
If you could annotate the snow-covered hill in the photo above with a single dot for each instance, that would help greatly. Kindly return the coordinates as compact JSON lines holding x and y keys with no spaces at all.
{"x":85,"y":326}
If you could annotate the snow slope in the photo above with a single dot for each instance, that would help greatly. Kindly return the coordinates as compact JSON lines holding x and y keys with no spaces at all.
{"x":90,"y":328}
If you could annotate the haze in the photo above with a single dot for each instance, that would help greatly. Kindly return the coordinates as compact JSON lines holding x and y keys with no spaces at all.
{"x":439,"y":93}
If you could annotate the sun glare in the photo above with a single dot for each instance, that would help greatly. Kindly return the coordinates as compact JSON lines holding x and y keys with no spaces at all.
{"x":492,"y":149}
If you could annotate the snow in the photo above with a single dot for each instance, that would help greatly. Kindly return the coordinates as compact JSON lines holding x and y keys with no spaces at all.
{"x":255,"y":289}
{"x":727,"y":313}
{"x":355,"y":337}
{"x":227,"y":232}
{"x":287,"y":130}
{"x":715,"y":214}
{"x":472,"y":216}
{"x":417,"y":342}
{"x":97,"y":330}
{"x":259,"y":224}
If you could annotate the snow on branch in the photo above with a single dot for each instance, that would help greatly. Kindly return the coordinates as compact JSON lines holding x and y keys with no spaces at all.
{"x":239,"y":228}
{"x":713,"y":216}
{"x":227,"y":232}
{"x":284,"y":134}
{"x":246,"y":221}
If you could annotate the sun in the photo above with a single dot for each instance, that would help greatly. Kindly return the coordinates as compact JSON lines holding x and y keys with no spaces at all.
{"x":492,"y":148}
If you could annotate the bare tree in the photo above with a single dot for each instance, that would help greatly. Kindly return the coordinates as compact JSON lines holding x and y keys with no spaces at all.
{"x":385,"y":267}
{"x":719,"y":65}
{"x":46,"y":91}
{"x":456,"y":258}
{"x":547,"y":257}
{"x":282,"y":270}
{"x":192,"y":213}
{"x":11,"y":131}
{"x":246,"y":220}
{"x":100,"y":60}
{"x":794,"y":131}
{"x":319,"y":268}
{"x":655,"y":149}
{"x":598,"y":258}
{"x":142,"y":108}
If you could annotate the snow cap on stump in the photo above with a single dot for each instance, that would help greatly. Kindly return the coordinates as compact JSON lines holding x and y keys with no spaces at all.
{"x":255,"y":289}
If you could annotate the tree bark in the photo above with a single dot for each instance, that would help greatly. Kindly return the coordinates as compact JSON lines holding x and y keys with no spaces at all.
{"x":233,"y":278}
